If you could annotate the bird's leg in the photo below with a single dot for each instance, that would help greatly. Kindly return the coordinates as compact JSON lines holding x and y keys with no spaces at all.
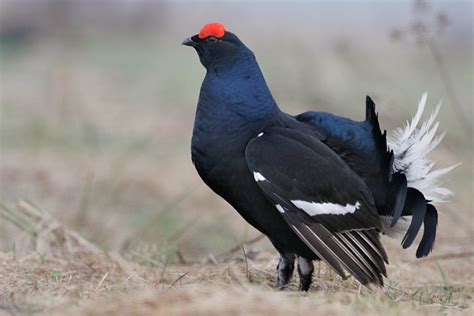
{"x":305,"y":271}
{"x":285,"y":268}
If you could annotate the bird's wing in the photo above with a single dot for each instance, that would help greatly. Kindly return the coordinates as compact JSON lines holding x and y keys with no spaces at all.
{"x":326,"y":203}
{"x":363,"y":147}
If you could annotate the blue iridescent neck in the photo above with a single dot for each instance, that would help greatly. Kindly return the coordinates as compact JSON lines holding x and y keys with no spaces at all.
{"x":237,"y":89}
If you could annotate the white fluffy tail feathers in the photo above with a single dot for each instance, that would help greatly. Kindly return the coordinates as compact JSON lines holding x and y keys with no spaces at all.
{"x":411,"y":145}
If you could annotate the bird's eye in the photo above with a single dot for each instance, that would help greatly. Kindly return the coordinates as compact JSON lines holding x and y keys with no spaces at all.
{"x":211,"y":39}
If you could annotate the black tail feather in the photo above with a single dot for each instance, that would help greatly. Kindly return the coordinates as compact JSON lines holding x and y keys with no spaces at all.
{"x":402,"y":200}
{"x":415,"y":205}
{"x":429,"y":233}
{"x":370,"y":114}
{"x":399,"y":185}
{"x":379,"y":138}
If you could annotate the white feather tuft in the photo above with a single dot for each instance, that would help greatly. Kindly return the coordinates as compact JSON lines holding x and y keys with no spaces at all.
{"x":411,"y":146}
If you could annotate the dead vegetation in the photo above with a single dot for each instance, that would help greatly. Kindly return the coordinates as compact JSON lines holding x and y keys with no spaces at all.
{"x":66,"y":274}
{"x":95,"y":125}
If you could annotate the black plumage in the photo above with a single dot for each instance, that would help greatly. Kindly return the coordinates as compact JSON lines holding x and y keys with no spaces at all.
{"x":429,"y":233}
{"x":318,"y":185}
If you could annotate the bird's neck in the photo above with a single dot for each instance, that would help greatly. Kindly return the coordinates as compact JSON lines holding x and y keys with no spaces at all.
{"x":237,"y":92}
{"x":234,"y":105}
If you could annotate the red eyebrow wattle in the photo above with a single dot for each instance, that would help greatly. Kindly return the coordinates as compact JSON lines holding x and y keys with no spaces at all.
{"x":212,"y":29}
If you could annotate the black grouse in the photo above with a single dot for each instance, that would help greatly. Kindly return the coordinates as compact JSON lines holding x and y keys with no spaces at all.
{"x":319,"y":186}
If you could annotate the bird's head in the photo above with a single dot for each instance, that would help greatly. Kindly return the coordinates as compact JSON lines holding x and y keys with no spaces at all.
{"x":216,"y":46}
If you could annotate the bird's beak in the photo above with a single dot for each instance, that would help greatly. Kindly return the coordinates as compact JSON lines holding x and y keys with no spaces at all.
{"x":189,"y":42}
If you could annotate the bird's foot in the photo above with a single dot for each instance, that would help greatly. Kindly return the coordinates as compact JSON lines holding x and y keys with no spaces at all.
{"x":285,"y":268}
{"x":305,"y":271}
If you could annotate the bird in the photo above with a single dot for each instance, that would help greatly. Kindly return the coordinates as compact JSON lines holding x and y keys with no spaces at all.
{"x":318,"y":185}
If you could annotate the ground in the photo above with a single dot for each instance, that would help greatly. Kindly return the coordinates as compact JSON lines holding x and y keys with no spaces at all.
{"x":101,"y":209}
{"x":75,"y":277}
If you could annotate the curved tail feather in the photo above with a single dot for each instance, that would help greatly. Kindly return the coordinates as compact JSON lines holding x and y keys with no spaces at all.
{"x":399,"y":183}
{"x":415,"y":205}
{"x":410,"y":146}
{"x":429,"y":233}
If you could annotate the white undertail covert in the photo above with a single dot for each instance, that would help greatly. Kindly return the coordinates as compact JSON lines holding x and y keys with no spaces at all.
{"x":411,"y":145}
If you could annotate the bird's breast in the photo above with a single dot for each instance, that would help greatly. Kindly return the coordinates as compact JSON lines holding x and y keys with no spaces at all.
{"x":212,"y":149}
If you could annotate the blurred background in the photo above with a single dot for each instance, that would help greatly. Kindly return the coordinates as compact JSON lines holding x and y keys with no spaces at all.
{"x":98,"y":100}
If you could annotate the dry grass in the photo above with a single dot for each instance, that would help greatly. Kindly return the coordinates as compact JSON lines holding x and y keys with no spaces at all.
{"x":93,"y":287}
{"x":95,"y":129}
{"x":68,"y":275}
